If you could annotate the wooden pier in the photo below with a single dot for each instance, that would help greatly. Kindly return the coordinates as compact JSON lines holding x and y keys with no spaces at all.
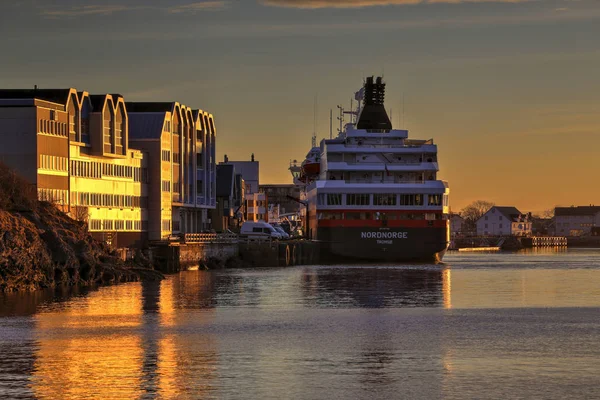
{"x":544,"y":241}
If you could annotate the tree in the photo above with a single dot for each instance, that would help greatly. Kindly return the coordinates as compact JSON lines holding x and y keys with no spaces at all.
{"x":549,"y":214}
{"x":472,"y":212}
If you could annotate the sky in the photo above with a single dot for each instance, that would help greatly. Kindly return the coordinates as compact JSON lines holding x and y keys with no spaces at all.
{"x":508,"y":89}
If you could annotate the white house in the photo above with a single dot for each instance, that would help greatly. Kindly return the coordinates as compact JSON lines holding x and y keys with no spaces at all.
{"x":504,"y":221}
{"x":576,"y":221}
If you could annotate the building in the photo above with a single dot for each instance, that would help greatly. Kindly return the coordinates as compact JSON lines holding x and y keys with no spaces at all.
{"x":256,"y":203}
{"x":180,"y":144}
{"x":504,"y":221}
{"x":73,"y":148}
{"x":576,"y":221}
{"x":250,"y":172}
{"x":456,"y":225}
{"x":257,"y":207}
{"x":283,"y":195}
{"x":229,"y":213}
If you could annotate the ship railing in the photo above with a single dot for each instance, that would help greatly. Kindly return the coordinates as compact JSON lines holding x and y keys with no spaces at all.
{"x":401,"y":162}
{"x":389,"y":146}
{"x":379,"y":181}
{"x":210,"y":238}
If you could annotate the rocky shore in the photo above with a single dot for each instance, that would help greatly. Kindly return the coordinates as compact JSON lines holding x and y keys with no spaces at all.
{"x":41,"y":247}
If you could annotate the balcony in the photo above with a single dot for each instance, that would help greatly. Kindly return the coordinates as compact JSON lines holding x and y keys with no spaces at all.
{"x":381,"y":147}
{"x":400,"y":166}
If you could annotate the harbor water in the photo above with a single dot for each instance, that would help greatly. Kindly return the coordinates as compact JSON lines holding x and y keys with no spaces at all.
{"x":485,"y":326}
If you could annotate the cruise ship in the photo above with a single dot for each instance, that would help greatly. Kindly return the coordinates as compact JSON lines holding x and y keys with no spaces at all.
{"x":375,"y":195}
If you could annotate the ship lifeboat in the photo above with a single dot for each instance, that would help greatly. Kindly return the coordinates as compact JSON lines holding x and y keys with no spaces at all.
{"x":311,"y":168}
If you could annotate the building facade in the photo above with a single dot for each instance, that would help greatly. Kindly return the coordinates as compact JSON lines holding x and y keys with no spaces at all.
{"x":504,"y":221}
{"x":73,"y":148}
{"x":180,"y":143}
{"x":229,"y":213}
{"x":286,"y":196}
{"x":576,"y":221}
{"x":456,"y":225}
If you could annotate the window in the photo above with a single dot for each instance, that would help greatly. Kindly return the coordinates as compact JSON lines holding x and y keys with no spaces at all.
{"x":358,"y":215}
{"x":500,"y":217}
{"x":166,"y":155}
{"x":435,"y":199}
{"x":500,"y":226}
{"x":321,"y":199}
{"x":95,"y":224}
{"x":486,"y":225}
{"x":166,"y":186}
{"x":331,"y":215}
{"x":358,"y":199}
{"x":384,"y":199}
{"x":334,"y":199}
{"x":486,"y":218}
{"x":411,"y":199}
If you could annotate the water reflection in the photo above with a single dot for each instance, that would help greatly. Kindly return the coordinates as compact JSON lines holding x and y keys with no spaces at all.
{"x":497,"y":326}
{"x":117,"y":342}
{"x":376,"y":287}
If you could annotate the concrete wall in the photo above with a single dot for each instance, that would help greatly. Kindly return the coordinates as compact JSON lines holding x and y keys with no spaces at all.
{"x":19,"y":140}
{"x":177,"y":258}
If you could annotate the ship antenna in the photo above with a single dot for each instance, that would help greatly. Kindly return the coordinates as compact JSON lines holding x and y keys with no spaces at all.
{"x":330,"y":123}
{"x":403,"y":116}
{"x":314,"y":137}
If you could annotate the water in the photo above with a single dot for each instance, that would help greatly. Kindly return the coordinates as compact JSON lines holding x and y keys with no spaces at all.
{"x":485,"y":326}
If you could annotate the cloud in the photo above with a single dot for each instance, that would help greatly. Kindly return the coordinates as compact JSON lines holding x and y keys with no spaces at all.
{"x":78,"y":11}
{"x":314,"y":4}
{"x":107,"y":9}
{"x":199,"y":6}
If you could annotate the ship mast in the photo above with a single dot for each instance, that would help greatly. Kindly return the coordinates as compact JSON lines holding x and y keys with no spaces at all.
{"x":314,"y":137}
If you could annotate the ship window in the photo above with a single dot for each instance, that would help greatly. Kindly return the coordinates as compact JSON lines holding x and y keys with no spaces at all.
{"x":411,"y":199}
{"x":331,"y":215}
{"x":358,"y":215}
{"x":321,"y":199}
{"x":358,"y":199}
{"x":384,"y":199}
{"x":334,"y":199}
{"x":435,"y":199}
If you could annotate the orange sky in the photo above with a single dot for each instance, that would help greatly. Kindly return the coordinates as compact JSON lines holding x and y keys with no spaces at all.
{"x":509,"y":90}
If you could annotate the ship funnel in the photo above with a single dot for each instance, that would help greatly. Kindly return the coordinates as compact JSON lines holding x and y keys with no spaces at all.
{"x":373,"y":115}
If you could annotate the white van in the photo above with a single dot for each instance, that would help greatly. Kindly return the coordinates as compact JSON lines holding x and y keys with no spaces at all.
{"x":259,"y":229}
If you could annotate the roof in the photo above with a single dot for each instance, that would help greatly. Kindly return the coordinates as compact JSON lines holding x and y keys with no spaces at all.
{"x":146,"y":125}
{"x":576,"y":211}
{"x":149,"y":107}
{"x":510,"y":213}
{"x":225,"y":180}
{"x":98,"y":101}
{"x":59,"y":96}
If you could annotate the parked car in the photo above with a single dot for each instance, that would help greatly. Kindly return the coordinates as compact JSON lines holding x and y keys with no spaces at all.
{"x":278,"y":228}
{"x":259,"y":229}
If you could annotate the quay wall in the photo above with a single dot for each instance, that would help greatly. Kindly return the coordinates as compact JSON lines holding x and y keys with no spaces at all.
{"x":175,"y":257}
{"x":170,"y":258}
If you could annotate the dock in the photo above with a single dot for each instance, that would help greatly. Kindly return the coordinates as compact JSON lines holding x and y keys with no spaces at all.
{"x":477,"y":249}
{"x":544,"y":241}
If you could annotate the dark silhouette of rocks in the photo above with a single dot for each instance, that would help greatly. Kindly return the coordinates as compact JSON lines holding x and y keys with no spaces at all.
{"x":41,"y":246}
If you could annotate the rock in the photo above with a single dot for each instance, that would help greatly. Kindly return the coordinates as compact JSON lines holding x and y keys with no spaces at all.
{"x":40,"y":246}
